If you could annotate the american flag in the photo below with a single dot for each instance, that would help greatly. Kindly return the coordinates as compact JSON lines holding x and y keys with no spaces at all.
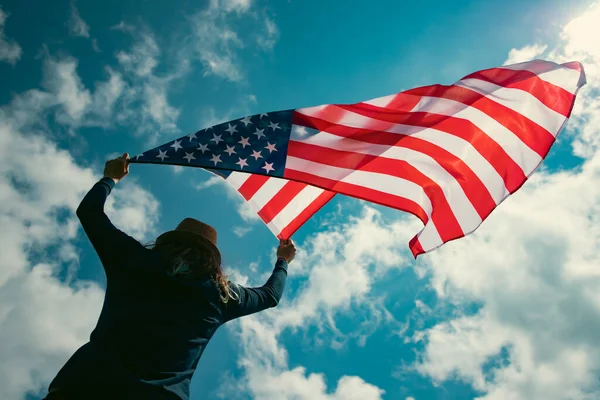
{"x":446,"y":154}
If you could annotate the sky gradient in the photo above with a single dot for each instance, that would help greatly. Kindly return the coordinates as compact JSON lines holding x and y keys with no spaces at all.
{"x":512,"y":311}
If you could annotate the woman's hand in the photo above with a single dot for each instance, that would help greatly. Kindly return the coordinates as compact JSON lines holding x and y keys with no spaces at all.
{"x":117,"y":168}
{"x":286,"y":250}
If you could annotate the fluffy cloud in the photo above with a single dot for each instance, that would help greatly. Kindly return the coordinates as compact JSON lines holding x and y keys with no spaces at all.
{"x":145,"y":99}
{"x":66,"y":97}
{"x":217,"y":42}
{"x":43,"y":317}
{"x":241,"y":231}
{"x":532,"y":268}
{"x":270,"y":36}
{"x":338,"y":268}
{"x":527,"y":53}
{"x":77,"y":26}
{"x":10,"y":51}
{"x":61,"y":79}
{"x":131,"y":95}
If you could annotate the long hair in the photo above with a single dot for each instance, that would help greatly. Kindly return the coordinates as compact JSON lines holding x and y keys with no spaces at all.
{"x":192,"y":261}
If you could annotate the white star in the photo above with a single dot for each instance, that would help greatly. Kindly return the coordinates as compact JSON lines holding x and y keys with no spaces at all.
{"x":203,"y":148}
{"x":230,"y":150}
{"x":177,"y":145}
{"x":189,"y":157}
{"x":242,"y":163}
{"x":263,"y":115}
{"x":246,"y":121}
{"x":271,"y":147}
{"x":140,"y":155}
{"x":244,"y":142}
{"x":256,"y":155}
{"x":192,"y":136}
{"x":162,"y":155}
{"x":206,"y":129}
{"x":274,"y":126}
{"x":216,"y":139}
{"x":268,"y":167}
{"x":259,"y":133}
{"x":232,"y":129}
{"x":216,"y":159}
{"x":300,"y":130}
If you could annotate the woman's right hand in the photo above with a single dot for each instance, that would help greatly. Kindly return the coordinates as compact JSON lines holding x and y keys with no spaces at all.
{"x":286,"y":250}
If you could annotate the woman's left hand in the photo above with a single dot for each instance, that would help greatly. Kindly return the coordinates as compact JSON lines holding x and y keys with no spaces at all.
{"x":117,"y":168}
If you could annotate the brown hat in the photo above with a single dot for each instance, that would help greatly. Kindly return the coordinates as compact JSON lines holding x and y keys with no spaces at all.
{"x":192,"y":231}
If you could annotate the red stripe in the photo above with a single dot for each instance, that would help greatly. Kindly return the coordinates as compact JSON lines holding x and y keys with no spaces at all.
{"x":530,"y":133}
{"x":443,"y":217}
{"x":415,"y":246}
{"x":576,"y":65}
{"x":252,"y":184}
{"x":280,"y":200}
{"x":360,"y":192}
{"x":554,"y":97}
{"x":403,"y":102}
{"x":308,"y":212}
{"x":365,"y":135}
{"x":507,"y":168}
{"x":474,"y":188}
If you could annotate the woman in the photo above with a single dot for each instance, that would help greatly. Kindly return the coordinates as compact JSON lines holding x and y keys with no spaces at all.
{"x":162,"y":305}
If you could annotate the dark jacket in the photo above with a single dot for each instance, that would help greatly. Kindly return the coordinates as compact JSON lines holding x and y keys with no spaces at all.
{"x":153,"y":328}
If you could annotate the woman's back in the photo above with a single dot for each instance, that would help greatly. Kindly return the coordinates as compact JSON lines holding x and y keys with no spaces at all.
{"x":156,"y":321}
{"x":151,"y":332}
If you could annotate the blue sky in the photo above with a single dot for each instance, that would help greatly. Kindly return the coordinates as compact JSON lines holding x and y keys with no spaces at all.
{"x":83,"y":81}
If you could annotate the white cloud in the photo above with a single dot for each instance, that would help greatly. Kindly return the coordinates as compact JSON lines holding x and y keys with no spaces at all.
{"x":527,"y":53}
{"x":66,"y":96}
{"x":216,"y":42}
{"x":232,"y":5}
{"x":338,"y":268}
{"x":143,"y":56}
{"x":536,"y":278}
{"x":10,"y":51}
{"x":105,"y":97}
{"x":241,"y":231}
{"x":61,"y":79}
{"x":269,"y":38}
{"x":43,"y":318}
{"x":212,"y":181}
{"x":532,"y":266}
{"x":216,"y":39}
{"x":77,"y":26}
{"x":145,"y":99}
{"x":342,"y":263}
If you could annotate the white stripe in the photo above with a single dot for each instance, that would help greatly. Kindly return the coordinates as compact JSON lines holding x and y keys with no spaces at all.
{"x":371,"y":180}
{"x":299,"y":203}
{"x":429,"y":237}
{"x":522,"y":154}
{"x":464,"y":150}
{"x":564,"y":77}
{"x":266,"y":192}
{"x":519,"y":101}
{"x":382,"y":101}
{"x":455,"y":145}
{"x":237,"y":179}
{"x":461,"y":206}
